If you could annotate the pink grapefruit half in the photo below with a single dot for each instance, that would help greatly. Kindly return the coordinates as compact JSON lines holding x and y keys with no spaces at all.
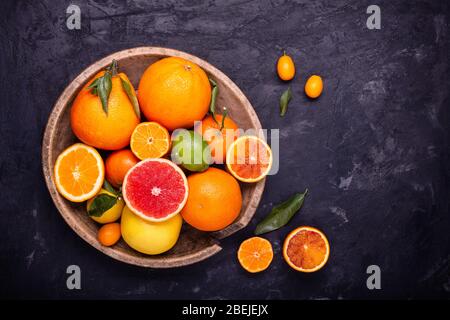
{"x":155,"y":189}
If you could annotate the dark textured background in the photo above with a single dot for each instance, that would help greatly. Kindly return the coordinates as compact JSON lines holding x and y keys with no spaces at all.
{"x":373,"y":150}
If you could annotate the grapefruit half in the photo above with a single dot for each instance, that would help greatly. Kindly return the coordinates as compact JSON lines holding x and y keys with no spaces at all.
{"x":155,"y":189}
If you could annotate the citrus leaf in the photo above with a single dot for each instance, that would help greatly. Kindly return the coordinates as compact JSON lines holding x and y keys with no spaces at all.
{"x":104,"y":89}
{"x":281,"y":214}
{"x":284,"y":101}
{"x":108,"y":187}
{"x":224,"y":115}
{"x":130,"y":93}
{"x":212,"y":105}
{"x":102,"y":203}
{"x":94,"y":84}
{"x":102,"y":86}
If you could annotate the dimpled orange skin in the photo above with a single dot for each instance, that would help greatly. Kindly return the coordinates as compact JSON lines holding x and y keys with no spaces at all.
{"x":218,"y":142}
{"x":214,"y":200}
{"x":94,"y":127}
{"x":174,"y":92}
{"x":117,"y":165}
{"x":314,"y":86}
{"x":285,"y":68}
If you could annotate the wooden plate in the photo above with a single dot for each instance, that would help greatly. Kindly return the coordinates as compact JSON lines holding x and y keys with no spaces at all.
{"x":193,"y":245}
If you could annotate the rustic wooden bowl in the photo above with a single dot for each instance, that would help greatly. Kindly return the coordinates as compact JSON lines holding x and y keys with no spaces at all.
{"x":193,"y":245}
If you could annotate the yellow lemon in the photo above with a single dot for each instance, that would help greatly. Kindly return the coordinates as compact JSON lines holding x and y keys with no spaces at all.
{"x":111,"y":214}
{"x":149,"y":237}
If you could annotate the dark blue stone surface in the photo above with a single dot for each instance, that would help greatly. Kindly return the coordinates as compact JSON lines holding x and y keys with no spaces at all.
{"x":373,"y":149}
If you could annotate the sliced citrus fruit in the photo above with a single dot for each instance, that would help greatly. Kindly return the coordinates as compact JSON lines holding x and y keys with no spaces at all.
{"x":306,"y":249}
{"x":150,"y":140}
{"x":255,"y":254}
{"x":249,"y":159}
{"x":155,"y":189}
{"x":79,"y":172}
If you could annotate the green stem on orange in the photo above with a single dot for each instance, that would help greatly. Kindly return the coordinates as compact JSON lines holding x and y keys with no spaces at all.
{"x":224,"y":115}
{"x":113,"y":68}
{"x":212,"y":105}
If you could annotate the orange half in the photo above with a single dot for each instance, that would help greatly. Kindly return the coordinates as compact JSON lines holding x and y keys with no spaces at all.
{"x":255,"y":254}
{"x":79,"y":173}
{"x":306,"y":249}
{"x":249,"y":159}
{"x":150,"y":140}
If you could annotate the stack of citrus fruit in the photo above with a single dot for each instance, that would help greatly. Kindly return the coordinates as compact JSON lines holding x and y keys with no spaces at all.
{"x":156,"y":173}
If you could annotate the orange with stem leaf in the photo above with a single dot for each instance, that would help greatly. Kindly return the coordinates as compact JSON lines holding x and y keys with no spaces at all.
{"x":105,"y":112}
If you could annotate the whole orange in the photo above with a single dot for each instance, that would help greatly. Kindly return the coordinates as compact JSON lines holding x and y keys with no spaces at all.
{"x":174,"y":92}
{"x":214,"y":200}
{"x":117,"y":165}
{"x":218,"y":140}
{"x":92,"y":125}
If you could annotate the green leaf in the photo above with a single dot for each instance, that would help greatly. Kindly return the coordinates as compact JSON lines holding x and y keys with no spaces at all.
{"x":133,"y":99}
{"x":94,"y":84}
{"x":108,"y":187}
{"x":224,"y":115}
{"x":281,"y":214}
{"x":102,"y":86}
{"x":104,"y":89}
{"x":212,"y":105}
{"x":284,"y":101}
{"x":102,"y":203}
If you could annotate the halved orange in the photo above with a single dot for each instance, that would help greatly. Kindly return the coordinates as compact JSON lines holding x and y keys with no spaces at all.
{"x":249,"y":159}
{"x":79,"y":172}
{"x":255,"y":254}
{"x":150,"y":140}
{"x":306,"y":249}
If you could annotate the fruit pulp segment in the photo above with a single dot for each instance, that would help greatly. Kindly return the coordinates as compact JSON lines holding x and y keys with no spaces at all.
{"x":251,"y":158}
{"x":255,"y":253}
{"x":150,"y":140}
{"x":307,"y":249}
{"x":78,"y":172}
{"x":155,"y":190}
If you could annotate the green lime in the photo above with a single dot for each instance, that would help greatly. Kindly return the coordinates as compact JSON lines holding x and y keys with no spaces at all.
{"x":190,"y":150}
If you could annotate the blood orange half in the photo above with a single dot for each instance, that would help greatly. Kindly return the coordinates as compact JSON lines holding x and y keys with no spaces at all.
{"x":249,"y":159}
{"x":306,"y":249}
{"x":155,"y":189}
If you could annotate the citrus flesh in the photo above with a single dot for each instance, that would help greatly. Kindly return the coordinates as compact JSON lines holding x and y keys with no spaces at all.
{"x":255,"y":254}
{"x":306,"y":249}
{"x":249,"y":159}
{"x":150,"y":140}
{"x":79,"y":172}
{"x":155,"y":189}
